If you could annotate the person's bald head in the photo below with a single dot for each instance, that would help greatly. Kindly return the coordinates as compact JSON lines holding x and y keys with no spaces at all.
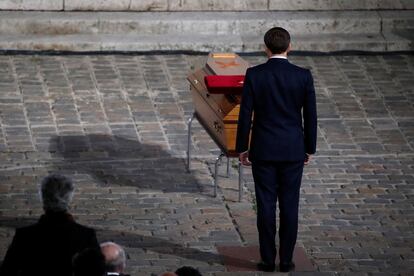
{"x":115,"y":259}
{"x":168,"y":274}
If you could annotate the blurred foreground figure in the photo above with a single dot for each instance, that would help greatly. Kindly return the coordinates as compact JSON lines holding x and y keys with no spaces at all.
{"x":168,"y":274}
{"x":187,"y":271}
{"x":89,"y":262}
{"x":115,"y":258}
{"x":48,"y":246}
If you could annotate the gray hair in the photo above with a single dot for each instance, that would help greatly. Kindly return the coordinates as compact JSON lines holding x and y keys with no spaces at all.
{"x":115,"y":261}
{"x":56,"y":192}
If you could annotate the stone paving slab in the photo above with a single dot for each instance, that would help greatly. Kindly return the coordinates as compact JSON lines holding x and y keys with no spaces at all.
{"x":245,"y":258}
{"x":116,"y":124}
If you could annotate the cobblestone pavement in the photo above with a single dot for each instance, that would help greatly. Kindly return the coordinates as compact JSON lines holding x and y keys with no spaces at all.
{"x":117,"y":125}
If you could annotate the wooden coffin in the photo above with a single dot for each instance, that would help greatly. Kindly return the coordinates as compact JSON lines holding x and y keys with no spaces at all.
{"x":218,"y":110}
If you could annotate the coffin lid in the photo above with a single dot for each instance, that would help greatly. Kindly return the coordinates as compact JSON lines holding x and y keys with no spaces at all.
{"x":226,"y":64}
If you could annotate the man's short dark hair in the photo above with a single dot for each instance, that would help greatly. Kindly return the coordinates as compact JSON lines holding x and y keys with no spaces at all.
{"x":89,"y":262}
{"x":187,"y":271}
{"x":277,"y":40}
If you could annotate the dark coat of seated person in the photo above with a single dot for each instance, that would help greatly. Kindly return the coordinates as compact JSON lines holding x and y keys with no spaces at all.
{"x":89,"y":262}
{"x":48,"y":246}
{"x":187,"y":271}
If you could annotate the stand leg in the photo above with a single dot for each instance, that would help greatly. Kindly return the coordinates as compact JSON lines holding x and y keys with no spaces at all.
{"x":228,"y":167}
{"x":240,"y":181}
{"x":216,"y":164}
{"x":189,"y":123}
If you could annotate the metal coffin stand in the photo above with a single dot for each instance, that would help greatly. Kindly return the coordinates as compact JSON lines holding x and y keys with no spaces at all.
{"x":218,"y":110}
{"x":218,"y":159}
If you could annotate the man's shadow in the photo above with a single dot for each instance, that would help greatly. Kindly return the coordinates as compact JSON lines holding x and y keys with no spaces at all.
{"x":113,"y":160}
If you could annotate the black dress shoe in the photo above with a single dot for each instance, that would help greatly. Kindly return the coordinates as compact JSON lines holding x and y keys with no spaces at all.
{"x":286,"y":267}
{"x":265,"y":267}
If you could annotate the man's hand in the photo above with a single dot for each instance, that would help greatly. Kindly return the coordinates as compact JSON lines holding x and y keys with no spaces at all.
{"x":308,"y":158}
{"x":244,"y":158}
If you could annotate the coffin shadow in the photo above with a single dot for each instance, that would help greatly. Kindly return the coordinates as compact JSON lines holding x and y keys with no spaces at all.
{"x":114,"y":160}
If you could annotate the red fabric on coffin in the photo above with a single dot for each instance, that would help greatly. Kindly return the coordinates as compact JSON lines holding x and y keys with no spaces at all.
{"x":224,"y":84}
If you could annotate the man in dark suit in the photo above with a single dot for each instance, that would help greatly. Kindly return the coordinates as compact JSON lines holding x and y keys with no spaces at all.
{"x":48,"y":246}
{"x":282,"y":97}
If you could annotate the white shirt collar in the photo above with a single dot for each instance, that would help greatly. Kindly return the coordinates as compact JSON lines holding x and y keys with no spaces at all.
{"x":279,"y":56}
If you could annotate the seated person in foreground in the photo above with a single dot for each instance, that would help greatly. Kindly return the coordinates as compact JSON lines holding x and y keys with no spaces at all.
{"x":183,"y":271}
{"x":187,"y":271}
{"x":115,"y":259}
{"x":48,"y":246}
{"x":89,"y":262}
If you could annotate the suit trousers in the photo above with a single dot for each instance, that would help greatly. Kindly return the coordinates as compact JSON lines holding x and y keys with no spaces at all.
{"x":277,"y":181}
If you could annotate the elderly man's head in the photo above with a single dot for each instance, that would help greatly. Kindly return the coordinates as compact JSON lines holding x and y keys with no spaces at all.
{"x":115,"y":258}
{"x":56,"y":192}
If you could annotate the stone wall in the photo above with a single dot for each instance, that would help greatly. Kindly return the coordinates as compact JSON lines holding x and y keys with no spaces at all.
{"x":203,"y":5}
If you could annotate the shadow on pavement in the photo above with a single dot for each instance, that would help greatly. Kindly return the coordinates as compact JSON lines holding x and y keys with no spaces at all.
{"x":132,"y":240}
{"x":114,"y":160}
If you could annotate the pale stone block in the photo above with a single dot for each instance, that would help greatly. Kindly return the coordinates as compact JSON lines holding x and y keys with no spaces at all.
{"x":323,"y":43}
{"x":338,"y":42}
{"x":399,"y":41}
{"x":171,"y":42}
{"x":318,"y":22}
{"x":48,"y":43}
{"x":31,"y":4}
{"x":214,"y":23}
{"x":217,"y":5}
{"x":149,"y":5}
{"x":222,"y":23}
{"x":117,"y":5}
{"x":335,"y":4}
{"x":408,"y":4}
{"x":97,"y":5}
{"x":47,"y":23}
{"x":397,"y":20}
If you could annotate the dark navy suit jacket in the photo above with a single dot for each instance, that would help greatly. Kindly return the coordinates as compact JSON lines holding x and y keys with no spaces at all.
{"x":278,"y":92}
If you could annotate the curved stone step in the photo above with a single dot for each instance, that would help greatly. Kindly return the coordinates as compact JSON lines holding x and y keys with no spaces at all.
{"x":204,"y":31}
{"x":203,"y":43}
{"x":204,"y":5}
{"x":220,"y":23}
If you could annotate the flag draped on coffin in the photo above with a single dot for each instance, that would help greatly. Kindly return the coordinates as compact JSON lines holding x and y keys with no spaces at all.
{"x":216,"y":91}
